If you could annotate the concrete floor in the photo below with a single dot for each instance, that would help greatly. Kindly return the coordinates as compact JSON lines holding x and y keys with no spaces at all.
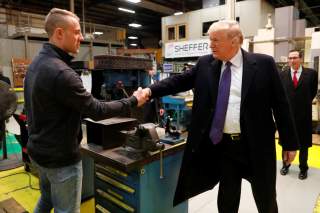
{"x":294,"y":195}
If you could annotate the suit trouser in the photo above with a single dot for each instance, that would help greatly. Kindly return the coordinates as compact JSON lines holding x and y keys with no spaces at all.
{"x":235,"y":166}
{"x":303,"y":159}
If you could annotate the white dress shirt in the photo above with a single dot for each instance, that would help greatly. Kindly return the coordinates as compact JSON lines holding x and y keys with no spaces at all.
{"x":232,"y":122}
{"x":299,"y":71}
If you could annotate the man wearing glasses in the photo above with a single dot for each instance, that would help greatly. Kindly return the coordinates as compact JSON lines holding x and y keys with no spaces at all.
{"x":301,"y":86}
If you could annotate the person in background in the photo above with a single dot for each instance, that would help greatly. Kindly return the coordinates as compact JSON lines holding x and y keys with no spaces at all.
{"x":4,"y":78}
{"x":232,"y":132}
{"x":55,"y":101}
{"x":185,"y":67}
{"x":3,"y":122}
{"x":301,"y":85}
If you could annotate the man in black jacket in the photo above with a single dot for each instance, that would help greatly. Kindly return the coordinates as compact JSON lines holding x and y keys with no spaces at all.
{"x":55,"y":101}
{"x":301,"y":85}
{"x":231,"y":136}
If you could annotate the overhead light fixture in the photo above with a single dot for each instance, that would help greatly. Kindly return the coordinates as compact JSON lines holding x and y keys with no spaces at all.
{"x":133,"y":44}
{"x":132,"y":37}
{"x":135,"y":25}
{"x":178,"y":13}
{"x":134,"y":1}
{"x":126,"y":10}
{"x":97,"y":33}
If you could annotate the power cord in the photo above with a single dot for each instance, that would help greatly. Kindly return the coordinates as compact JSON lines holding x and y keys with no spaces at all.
{"x":29,"y":185}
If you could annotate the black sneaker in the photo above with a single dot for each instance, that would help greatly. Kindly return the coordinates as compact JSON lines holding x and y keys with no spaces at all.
{"x":303,"y":175}
{"x":284,"y":170}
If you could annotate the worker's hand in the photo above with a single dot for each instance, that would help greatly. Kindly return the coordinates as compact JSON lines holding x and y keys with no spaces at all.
{"x":288,"y":156}
{"x":147,"y":91}
{"x":141,"y":96}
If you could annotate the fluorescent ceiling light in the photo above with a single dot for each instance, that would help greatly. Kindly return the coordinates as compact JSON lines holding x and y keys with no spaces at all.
{"x":133,"y":44}
{"x":134,"y":1}
{"x":97,"y":33}
{"x":132,"y":37}
{"x":135,"y":25}
{"x":178,"y":13}
{"x":126,"y":10}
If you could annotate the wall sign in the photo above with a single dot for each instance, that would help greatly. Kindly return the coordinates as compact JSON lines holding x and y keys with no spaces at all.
{"x":193,"y":48}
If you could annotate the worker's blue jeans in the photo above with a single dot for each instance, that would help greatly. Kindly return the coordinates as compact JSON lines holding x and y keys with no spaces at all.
{"x":60,"y":189}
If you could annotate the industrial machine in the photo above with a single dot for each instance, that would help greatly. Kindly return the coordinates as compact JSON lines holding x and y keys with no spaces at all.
{"x":177,"y":117}
{"x":142,"y":139}
{"x":132,"y":167}
{"x":117,"y":77}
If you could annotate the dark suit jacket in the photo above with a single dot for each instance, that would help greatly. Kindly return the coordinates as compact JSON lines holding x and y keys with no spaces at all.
{"x":262,"y":97}
{"x":300,"y":99}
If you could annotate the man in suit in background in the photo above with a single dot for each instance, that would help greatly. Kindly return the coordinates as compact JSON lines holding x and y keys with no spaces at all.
{"x":301,"y":86}
{"x":231,"y":136}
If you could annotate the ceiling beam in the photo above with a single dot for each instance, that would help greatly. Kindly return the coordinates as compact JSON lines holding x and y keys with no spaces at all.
{"x":308,"y":12}
{"x":154,"y":7}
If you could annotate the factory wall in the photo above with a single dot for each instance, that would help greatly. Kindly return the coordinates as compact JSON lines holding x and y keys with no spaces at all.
{"x":10,"y":48}
{"x":250,"y":22}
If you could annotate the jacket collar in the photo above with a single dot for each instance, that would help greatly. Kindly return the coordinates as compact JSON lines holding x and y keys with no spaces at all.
{"x":249,"y":70}
{"x":53,"y":50}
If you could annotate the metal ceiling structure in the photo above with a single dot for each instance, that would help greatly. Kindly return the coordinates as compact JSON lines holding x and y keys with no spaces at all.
{"x":148,"y":13}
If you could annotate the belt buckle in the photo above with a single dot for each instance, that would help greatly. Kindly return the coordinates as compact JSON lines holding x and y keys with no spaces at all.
{"x":235,"y":137}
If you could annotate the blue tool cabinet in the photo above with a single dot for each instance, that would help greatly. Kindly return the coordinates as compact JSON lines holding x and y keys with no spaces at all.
{"x":140,"y":189}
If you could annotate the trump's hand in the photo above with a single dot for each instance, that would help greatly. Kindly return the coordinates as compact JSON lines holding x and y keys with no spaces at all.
{"x":288,"y":156}
{"x":141,"y":95}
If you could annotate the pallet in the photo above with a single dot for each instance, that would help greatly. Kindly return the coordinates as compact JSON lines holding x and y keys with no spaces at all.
{"x":11,"y":206}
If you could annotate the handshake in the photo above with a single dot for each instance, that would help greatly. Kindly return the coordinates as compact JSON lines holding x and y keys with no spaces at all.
{"x":142,"y":95}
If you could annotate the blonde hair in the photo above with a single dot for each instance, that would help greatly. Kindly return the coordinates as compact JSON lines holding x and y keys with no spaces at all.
{"x":231,"y":27}
{"x":57,"y":18}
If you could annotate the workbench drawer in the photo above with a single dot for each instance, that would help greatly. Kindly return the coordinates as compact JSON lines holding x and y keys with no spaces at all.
{"x":111,"y":203}
{"x":132,"y":178}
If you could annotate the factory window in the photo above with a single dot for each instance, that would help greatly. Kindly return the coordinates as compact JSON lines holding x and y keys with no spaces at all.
{"x":182,"y":32}
{"x":177,"y":32}
{"x":171,"y":33}
{"x":205,"y":27}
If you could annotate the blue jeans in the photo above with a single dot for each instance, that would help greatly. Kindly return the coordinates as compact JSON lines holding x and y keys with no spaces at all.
{"x":60,"y":189}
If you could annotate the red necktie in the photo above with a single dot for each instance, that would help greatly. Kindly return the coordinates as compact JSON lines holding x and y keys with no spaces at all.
{"x":295,"y":79}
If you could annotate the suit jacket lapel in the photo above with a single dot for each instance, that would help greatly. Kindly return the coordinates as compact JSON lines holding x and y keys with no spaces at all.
{"x":289,"y":80}
{"x":302,"y":77}
{"x":249,"y":70}
{"x":214,"y":78}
